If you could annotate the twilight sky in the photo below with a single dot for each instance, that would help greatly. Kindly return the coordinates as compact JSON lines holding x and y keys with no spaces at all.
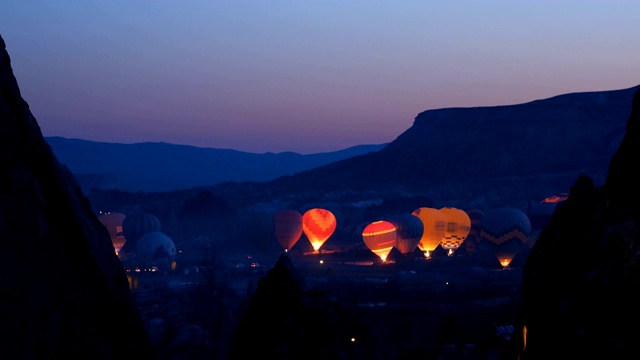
{"x":301,"y":75}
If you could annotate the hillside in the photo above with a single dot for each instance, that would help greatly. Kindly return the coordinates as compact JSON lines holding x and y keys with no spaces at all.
{"x":485,"y":156}
{"x":166,"y":167}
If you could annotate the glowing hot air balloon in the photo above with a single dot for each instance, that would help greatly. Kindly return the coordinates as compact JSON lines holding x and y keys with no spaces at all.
{"x":458,"y":226}
{"x":435,"y":224}
{"x":113,"y":223}
{"x":318,"y":225}
{"x":409,"y":229}
{"x":380,"y":238}
{"x":288,"y":228}
{"x":506,"y":230}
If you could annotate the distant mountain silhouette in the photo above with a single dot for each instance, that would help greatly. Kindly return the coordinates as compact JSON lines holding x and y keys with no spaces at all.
{"x":154,"y":167}
{"x":477,"y":157}
{"x":483,"y":156}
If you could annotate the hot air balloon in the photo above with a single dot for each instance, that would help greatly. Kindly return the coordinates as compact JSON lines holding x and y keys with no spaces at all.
{"x":136,"y":225}
{"x":154,"y":246}
{"x":380,"y":238}
{"x":435,"y":224}
{"x":458,"y":226}
{"x":318,"y":225}
{"x":113,"y":222}
{"x":507,"y":231}
{"x":288,"y":228}
{"x":409,"y":229}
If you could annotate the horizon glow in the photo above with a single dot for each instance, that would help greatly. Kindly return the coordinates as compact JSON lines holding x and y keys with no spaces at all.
{"x":302,"y":76}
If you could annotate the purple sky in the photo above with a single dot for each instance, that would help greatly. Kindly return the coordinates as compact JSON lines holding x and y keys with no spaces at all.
{"x":303,"y":76}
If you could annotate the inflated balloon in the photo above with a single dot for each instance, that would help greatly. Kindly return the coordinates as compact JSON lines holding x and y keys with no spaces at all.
{"x":113,"y":222}
{"x":318,"y":225}
{"x":380,"y":238}
{"x":288,"y":228}
{"x":507,"y":231}
{"x":409,"y":229}
{"x":136,"y":225}
{"x":155,"y":245}
{"x":435,"y":223}
{"x":458,"y":227}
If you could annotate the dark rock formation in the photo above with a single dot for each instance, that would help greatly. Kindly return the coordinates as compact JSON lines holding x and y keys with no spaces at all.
{"x":581,"y":282}
{"x":285,"y":320}
{"x":486,"y":157}
{"x":63,"y":291}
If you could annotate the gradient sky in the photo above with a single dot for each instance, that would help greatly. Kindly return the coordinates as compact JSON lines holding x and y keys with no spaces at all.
{"x":302,"y":76}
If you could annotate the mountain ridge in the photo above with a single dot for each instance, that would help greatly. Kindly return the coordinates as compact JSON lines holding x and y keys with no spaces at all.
{"x":477,"y":157}
{"x":160,"y":166}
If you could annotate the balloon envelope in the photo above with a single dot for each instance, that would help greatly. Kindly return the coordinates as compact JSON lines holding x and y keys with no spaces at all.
{"x":506,"y":230}
{"x":288,"y":228}
{"x":435,"y":223}
{"x":114,"y":224}
{"x":458,"y":226}
{"x":380,"y":238}
{"x":409,"y":229}
{"x":318,"y":225}
{"x":154,"y":244}
{"x":136,"y":225}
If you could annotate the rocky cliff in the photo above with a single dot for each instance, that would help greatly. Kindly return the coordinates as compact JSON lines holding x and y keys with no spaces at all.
{"x":486,"y":157}
{"x":63,"y":291}
{"x":581,"y":281}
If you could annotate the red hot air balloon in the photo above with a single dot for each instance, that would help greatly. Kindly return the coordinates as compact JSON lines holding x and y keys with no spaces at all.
{"x":318,"y":225}
{"x":288,"y":228}
{"x":113,"y":222}
{"x":380,"y":238}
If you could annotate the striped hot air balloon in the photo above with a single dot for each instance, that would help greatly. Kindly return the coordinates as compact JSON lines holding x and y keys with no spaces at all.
{"x":318,"y":225}
{"x":506,"y":230}
{"x":288,"y":228}
{"x":380,"y":238}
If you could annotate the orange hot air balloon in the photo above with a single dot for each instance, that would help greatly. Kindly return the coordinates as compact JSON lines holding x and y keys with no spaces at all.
{"x":435,"y":224}
{"x":318,"y":225}
{"x":380,"y":238}
{"x":409,"y":229}
{"x":113,"y":223}
{"x":507,"y":231}
{"x":288,"y":228}
{"x":458,"y":227}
